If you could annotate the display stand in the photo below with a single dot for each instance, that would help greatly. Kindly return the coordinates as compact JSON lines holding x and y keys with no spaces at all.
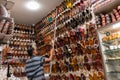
{"x":108,"y":29}
{"x":53,"y":42}
{"x":4,"y":38}
{"x":90,"y":44}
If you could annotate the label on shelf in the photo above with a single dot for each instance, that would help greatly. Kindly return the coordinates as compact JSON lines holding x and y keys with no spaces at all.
{"x":50,"y":19}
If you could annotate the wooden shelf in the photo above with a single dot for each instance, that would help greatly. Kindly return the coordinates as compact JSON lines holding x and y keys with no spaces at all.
{"x":7,"y":37}
{"x":46,"y":64}
{"x":50,"y":22}
{"x":104,"y":7}
{"x":110,"y":27}
{"x":6,"y":18}
{"x":43,"y":46}
{"x":2,"y":35}
{"x":58,"y":15}
{"x":40,"y":41}
{"x":4,"y":38}
{"x":59,"y":26}
{"x":62,"y":12}
{"x":46,"y":25}
{"x":49,"y":33}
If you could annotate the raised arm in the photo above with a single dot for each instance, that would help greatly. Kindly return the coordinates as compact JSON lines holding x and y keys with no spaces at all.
{"x":51,"y":55}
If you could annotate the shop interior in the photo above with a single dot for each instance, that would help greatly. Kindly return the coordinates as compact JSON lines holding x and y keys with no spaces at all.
{"x":85,"y":36}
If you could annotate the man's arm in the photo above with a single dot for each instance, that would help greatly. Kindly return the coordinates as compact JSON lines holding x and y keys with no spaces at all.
{"x":51,"y":55}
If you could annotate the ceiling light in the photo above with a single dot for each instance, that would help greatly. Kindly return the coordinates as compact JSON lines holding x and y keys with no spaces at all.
{"x":117,"y":25}
{"x":33,"y":5}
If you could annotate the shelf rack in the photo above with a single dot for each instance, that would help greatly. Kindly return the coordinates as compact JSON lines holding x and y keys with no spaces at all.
{"x":105,"y":6}
{"x":5,"y":37}
{"x":109,"y":55}
{"x":6,"y":18}
{"x":99,"y":10}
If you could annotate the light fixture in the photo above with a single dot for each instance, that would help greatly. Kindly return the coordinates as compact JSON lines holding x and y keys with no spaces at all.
{"x":32,"y":5}
{"x":117,"y":25}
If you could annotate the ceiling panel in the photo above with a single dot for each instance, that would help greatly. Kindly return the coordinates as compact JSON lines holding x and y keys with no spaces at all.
{"x":22,"y":15}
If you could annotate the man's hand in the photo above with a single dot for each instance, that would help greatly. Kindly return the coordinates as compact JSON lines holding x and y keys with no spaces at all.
{"x":51,"y":55}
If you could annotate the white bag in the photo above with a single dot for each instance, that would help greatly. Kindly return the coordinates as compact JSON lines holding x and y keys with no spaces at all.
{"x":3,"y":11}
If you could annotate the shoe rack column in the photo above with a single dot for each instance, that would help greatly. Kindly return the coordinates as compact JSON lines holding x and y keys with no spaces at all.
{"x":53,"y":40}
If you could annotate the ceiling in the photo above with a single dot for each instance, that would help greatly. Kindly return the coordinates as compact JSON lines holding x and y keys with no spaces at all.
{"x":22,"y":15}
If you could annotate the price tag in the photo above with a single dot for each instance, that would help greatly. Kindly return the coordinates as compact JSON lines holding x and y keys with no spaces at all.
{"x":50,"y":19}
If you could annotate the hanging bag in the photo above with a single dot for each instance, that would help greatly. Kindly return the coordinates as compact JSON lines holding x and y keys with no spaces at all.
{"x":3,"y":11}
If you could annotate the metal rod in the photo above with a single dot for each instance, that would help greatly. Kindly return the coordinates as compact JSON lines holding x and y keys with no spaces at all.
{"x":53,"y":41}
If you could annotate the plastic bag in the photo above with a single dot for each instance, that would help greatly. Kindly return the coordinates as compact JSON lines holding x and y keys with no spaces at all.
{"x":3,"y":11}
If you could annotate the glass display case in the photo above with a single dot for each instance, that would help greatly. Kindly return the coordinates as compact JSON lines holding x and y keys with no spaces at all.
{"x":109,"y":38}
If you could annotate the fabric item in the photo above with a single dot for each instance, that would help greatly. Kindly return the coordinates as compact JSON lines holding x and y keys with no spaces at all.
{"x":35,"y":66}
{"x":3,"y":11}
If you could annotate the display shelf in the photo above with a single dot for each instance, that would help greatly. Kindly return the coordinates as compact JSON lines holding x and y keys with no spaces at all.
{"x":109,"y":42}
{"x":22,"y":39}
{"x":4,"y":38}
{"x":59,"y":26}
{"x":24,"y":28}
{"x":46,"y":64}
{"x":110,"y":46}
{"x":110,"y":26}
{"x":116,"y":58}
{"x":7,"y":37}
{"x":46,"y":25}
{"x":50,"y":22}
{"x":63,"y":12}
{"x":112,"y":50}
{"x":68,"y":9}
{"x":6,"y":18}
{"x":62,"y":24}
{"x":75,"y":73}
{"x":111,"y":53}
{"x":114,"y":72}
{"x":43,"y":45}
{"x":106,"y":44}
{"x":106,"y":6}
{"x":70,"y":44}
{"x":40,"y":41}
{"x":2,"y":35}
{"x":49,"y":33}
{"x":113,"y":61}
{"x":20,"y":54}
